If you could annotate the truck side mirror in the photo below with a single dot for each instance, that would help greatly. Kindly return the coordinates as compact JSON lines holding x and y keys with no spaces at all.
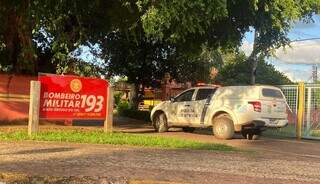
{"x":171,"y":99}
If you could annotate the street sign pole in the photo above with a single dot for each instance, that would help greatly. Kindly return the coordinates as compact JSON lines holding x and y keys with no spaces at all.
{"x":108,"y":122}
{"x":33,"y":124}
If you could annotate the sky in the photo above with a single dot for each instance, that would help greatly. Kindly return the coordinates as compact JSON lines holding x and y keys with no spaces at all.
{"x":295,"y":62}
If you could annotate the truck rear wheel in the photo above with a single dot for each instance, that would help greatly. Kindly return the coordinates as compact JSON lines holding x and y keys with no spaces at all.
{"x":223,"y":127}
{"x":160,"y":123}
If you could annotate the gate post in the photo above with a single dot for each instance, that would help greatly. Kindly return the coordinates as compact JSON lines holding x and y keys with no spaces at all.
{"x":308,"y":113}
{"x":301,"y":107}
{"x":108,"y":122}
{"x":34,"y":104}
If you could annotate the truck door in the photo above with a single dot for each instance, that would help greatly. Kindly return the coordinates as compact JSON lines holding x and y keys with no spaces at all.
{"x":201,"y":103}
{"x":181,"y":108}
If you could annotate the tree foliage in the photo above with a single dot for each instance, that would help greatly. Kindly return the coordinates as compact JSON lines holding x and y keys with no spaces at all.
{"x":41,"y":31}
{"x":141,"y":39}
{"x":16,"y":39}
{"x":271,"y":21}
{"x":180,"y":21}
{"x":235,"y":72}
{"x":217,"y":23}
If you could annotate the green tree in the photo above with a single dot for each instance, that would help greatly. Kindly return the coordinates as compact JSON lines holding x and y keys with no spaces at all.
{"x":15,"y":35}
{"x":41,"y":31}
{"x":217,"y":24}
{"x":271,"y":21}
{"x":235,"y":72}
{"x":224,"y":22}
{"x":142,"y":39}
{"x":144,"y":61}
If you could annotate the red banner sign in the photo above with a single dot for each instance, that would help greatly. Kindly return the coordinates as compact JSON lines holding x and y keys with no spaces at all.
{"x":72,"y":97}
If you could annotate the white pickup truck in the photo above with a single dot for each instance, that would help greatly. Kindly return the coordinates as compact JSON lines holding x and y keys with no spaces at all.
{"x":245,"y":109}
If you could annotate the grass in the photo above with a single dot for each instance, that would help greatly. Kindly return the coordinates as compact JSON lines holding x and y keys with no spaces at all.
{"x":99,"y":137}
{"x":288,"y":131}
{"x":315,"y":133}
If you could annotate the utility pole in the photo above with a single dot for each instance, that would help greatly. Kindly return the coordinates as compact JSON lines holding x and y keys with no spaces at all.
{"x":314,"y":73}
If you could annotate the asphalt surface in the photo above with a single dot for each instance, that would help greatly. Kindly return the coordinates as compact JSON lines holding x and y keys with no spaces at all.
{"x":280,"y":146}
{"x":268,"y":160}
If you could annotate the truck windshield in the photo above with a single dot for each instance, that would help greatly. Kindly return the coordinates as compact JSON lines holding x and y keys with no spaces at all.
{"x":273,"y":93}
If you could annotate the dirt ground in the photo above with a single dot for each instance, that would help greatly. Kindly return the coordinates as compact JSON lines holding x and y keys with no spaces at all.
{"x":269,"y":161}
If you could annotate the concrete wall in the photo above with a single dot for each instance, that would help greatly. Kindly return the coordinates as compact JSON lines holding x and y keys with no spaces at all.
{"x":14,"y":96}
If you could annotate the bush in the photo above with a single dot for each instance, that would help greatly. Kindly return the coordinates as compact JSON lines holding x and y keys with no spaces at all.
{"x":122,"y":106}
{"x":117,"y":98}
{"x":124,"y":109}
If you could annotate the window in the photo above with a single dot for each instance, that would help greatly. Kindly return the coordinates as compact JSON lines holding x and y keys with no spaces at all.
{"x":186,"y":96}
{"x":273,"y":93}
{"x":204,"y":93}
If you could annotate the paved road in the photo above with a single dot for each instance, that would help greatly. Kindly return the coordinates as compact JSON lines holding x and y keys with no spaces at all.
{"x":56,"y":159}
{"x":273,"y":161}
{"x":280,"y":147}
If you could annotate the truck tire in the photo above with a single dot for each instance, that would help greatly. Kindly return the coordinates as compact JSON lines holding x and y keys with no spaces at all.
{"x":188,"y":129}
{"x":251,"y":134}
{"x":160,"y":123}
{"x":223,"y":127}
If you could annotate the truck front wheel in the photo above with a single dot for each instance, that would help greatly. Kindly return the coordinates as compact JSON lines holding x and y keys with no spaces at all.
{"x":223,"y":127}
{"x":160,"y":123}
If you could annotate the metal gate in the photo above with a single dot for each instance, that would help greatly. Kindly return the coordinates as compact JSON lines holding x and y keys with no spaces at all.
{"x":309,"y":109}
{"x":311,"y":123}
{"x":291,"y":93}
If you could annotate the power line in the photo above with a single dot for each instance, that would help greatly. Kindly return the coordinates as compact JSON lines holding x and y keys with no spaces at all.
{"x":303,"y":34}
{"x":314,"y":73}
{"x":307,"y":39}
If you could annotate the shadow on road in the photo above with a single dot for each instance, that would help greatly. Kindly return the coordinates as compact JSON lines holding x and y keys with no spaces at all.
{"x":47,"y":150}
